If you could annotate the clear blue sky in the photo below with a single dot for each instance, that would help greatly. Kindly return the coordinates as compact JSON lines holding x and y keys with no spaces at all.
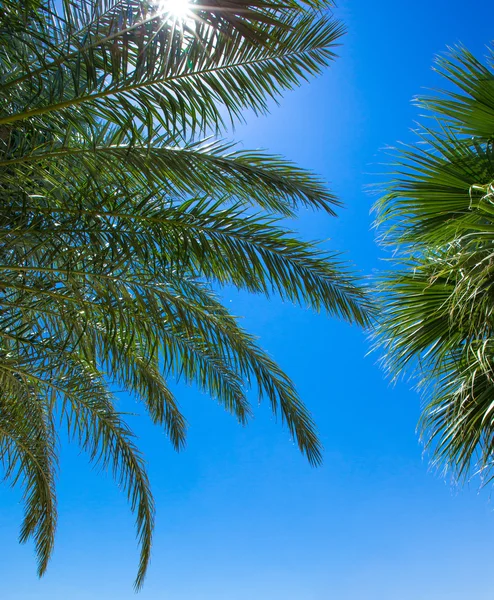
{"x":241,"y":515}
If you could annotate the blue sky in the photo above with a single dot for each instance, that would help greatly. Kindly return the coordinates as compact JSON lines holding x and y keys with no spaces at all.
{"x":241,"y":515}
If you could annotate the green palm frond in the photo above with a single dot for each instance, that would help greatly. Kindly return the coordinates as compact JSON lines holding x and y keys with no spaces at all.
{"x":438,"y":303}
{"x":28,"y":455}
{"x":470,"y":107}
{"x":186,"y":82}
{"x":161,"y":165}
{"x":119,"y":222}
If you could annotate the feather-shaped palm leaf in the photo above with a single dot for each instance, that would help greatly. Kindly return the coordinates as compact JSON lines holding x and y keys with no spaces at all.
{"x":118,"y":221}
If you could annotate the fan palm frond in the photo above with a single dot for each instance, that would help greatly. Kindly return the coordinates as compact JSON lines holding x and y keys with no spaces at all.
{"x":437,"y":318}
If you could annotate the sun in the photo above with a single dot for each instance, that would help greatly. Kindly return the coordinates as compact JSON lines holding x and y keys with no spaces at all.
{"x":178,"y":9}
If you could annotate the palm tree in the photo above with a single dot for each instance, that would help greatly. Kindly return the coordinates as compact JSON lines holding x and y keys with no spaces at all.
{"x":438,"y":302}
{"x":121,"y":220}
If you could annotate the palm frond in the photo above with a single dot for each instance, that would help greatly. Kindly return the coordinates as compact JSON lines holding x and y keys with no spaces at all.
{"x":28,"y":455}
{"x":186,"y":83}
{"x":469,"y":108}
{"x":438,"y":303}
{"x":119,"y":221}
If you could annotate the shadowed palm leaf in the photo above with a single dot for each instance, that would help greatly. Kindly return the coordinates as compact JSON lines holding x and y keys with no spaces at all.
{"x":438,"y":303}
{"x":117,"y":221}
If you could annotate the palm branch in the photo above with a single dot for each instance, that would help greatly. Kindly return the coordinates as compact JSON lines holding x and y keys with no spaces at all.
{"x":122,"y":220}
{"x":437,"y":320}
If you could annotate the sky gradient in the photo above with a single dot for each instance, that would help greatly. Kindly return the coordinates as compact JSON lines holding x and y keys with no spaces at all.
{"x":240,"y":514}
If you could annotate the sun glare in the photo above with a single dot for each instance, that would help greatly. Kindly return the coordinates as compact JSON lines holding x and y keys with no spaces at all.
{"x":178,"y":9}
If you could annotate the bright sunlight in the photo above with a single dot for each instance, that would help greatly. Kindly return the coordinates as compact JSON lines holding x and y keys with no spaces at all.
{"x":179,"y":9}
